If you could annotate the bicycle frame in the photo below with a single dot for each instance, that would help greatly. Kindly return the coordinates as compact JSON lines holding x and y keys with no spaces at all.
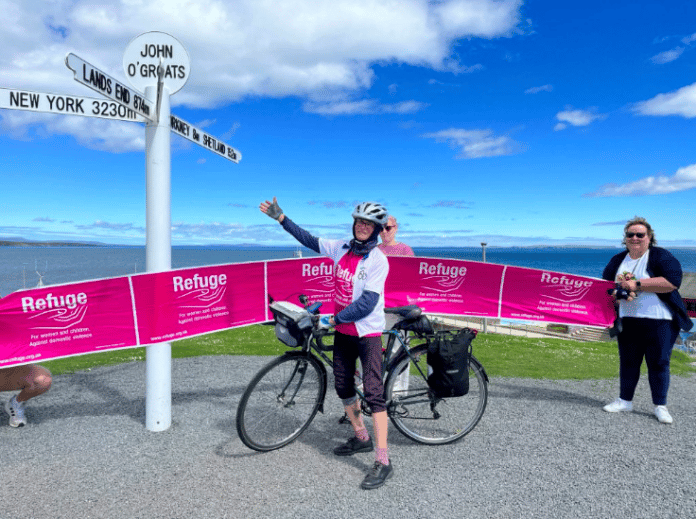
{"x":310,"y":347}
{"x":291,"y":389}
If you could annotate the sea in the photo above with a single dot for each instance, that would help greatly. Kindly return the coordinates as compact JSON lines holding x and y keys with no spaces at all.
{"x":25,"y":266}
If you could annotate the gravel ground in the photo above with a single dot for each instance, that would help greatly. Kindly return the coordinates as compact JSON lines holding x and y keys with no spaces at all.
{"x":544,"y":449}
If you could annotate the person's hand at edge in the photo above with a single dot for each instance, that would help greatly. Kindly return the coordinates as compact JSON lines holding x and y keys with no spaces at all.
{"x":272,"y":209}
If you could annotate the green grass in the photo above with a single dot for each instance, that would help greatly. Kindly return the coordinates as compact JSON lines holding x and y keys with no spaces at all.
{"x":501,"y":355}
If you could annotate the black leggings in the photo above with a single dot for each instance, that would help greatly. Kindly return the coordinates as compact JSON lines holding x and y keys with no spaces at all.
{"x":347,"y":349}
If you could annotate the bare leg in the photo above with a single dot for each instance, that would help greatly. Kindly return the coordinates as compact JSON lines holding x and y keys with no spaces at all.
{"x":32,"y":380}
{"x":381,"y":426}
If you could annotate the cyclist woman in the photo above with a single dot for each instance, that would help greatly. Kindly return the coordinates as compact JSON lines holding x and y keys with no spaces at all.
{"x":360,"y":272}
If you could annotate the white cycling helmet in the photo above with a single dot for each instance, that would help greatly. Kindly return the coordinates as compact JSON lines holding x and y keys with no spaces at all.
{"x":373,"y":212}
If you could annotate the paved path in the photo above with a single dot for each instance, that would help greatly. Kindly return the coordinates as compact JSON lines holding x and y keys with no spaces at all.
{"x":544,"y":449}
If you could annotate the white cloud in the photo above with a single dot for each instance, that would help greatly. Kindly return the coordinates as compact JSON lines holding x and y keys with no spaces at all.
{"x":322,"y":51}
{"x":246,"y":47}
{"x":111,"y":226}
{"x":680,"y":102}
{"x":475,"y":144}
{"x":689,"y":39}
{"x":478,"y":17}
{"x":96,"y":134}
{"x":367,"y":106}
{"x":536,"y":90}
{"x":667,"y":56}
{"x":577,"y":118}
{"x":683,"y":179}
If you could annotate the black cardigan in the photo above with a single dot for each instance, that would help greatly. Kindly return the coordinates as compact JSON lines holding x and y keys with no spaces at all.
{"x":661,"y":263}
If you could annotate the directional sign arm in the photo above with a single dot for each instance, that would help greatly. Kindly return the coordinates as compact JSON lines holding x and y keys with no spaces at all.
{"x":190,"y":132}
{"x":107,"y":86}
{"x":66,"y":105}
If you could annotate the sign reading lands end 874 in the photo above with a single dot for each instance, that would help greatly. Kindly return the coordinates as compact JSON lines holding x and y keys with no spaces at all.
{"x":142,"y":57}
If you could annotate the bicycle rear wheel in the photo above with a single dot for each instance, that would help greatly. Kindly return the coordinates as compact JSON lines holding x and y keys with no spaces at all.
{"x":281,"y":401}
{"x":426,"y":419}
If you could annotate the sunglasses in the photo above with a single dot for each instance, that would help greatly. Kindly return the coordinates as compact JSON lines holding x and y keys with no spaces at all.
{"x":389,"y":227}
{"x":639,"y":235}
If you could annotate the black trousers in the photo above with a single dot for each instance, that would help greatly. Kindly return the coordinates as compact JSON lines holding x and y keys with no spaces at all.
{"x":652,"y":339}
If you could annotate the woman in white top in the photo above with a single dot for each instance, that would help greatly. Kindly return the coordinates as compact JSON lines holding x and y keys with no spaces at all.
{"x":650,"y":314}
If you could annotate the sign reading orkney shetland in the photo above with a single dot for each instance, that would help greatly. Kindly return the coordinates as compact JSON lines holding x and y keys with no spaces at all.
{"x":190,"y":132}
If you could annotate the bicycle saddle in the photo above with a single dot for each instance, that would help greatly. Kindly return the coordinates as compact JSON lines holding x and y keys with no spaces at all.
{"x":407,"y":312}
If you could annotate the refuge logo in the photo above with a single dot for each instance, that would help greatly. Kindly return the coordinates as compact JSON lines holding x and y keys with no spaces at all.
{"x":561,"y":287}
{"x":56,"y":312}
{"x":441,"y":278}
{"x":200,"y":291}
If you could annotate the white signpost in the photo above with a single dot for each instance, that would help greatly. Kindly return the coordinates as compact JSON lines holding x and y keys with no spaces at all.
{"x":157,"y":65}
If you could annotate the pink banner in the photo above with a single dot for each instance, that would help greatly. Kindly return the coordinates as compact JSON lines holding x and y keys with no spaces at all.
{"x":444,"y":286}
{"x":537,"y":295}
{"x":63,"y":320}
{"x":60,"y":321}
{"x":182,"y":303}
{"x":313,"y":277}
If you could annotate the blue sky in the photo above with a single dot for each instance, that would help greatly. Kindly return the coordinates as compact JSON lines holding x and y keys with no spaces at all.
{"x":509,"y":122}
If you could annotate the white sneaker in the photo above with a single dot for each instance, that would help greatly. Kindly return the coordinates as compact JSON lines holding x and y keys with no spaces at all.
{"x":16,"y":411}
{"x":618,"y":406}
{"x":662,"y":414}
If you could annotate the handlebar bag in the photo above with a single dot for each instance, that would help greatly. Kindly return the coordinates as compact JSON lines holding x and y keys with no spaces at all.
{"x":448,"y":358}
{"x":292,"y":322}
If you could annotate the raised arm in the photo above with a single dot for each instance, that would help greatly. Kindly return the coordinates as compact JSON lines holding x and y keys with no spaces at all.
{"x":273,"y":210}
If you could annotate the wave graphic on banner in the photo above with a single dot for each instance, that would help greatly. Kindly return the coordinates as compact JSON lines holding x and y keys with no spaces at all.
{"x":320,"y":287}
{"x":443,"y":284}
{"x":565,"y":294}
{"x":202,"y":298}
{"x":63,"y":317}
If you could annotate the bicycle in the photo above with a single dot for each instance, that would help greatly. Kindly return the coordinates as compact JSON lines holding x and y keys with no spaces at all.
{"x":285,"y":395}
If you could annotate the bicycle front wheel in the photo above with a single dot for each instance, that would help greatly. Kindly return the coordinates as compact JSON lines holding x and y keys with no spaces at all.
{"x":427,"y":419}
{"x":280,"y":402}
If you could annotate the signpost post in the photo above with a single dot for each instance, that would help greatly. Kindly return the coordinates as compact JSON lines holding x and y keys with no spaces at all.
{"x":158,"y":255}
{"x":156,"y":65}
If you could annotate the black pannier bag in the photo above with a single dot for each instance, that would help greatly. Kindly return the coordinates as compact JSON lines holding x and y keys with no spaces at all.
{"x":448,"y":358}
